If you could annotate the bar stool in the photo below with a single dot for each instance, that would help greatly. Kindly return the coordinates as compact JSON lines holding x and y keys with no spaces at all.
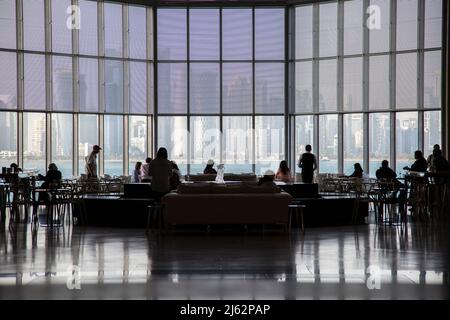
{"x":296,"y":210}
{"x":155,"y":217}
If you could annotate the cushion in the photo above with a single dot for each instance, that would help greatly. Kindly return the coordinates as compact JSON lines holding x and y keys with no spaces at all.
{"x":250,"y":187}
{"x":194,"y":188}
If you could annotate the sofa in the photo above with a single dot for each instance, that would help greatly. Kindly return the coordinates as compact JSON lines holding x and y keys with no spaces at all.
{"x":226,"y":177}
{"x":234,"y":203}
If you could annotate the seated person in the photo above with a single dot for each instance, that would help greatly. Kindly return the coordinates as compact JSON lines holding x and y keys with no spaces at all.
{"x":144,"y":175}
{"x":267,"y":179}
{"x":137,"y":174}
{"x":209,"y":168}
{"x":15,"y":168}
{"x":420,"y":165}
{"x":175,"y":177}
{"x":51,"y":180}
{"x":358,"y":171}
{"x":384,"y":172}
{"x":283,"y":173}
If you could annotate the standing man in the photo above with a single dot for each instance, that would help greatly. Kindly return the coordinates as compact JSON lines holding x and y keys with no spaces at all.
{"x":91,"y":162}
{"x":308,"y":164}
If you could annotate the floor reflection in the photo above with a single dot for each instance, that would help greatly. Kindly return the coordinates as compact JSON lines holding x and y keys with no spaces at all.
{"x":326,"y":263}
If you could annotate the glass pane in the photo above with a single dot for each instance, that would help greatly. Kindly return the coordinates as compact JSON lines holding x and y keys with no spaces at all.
{"x":304,"y":135}
{"x":379,"y":140}
{"x":328,"y":143}
{"x":237,"y":144}
{"x":172,"y":88}
{"x":8,"y":24}
{"x":8,"y":80}
{"x":379,"y":33}
{"x":62,"y":141}
{"x":269,"y":143}
{"x":173,"y":135}
{"x":353,"y":84}
{"x":406,"y":139}
{"x":205,"y":88}
{"x":269,"y":34}
{"x":406,"y":91}
{"x":432,"y":79}
{"x":171,"y":34}
{"x":304,"y":32}
{"x":113,"y":30}
{"x":137,"y":20}
{"x":62,"y":84}
{"x":61,"y":34}
{"x":353,"y":141}
{"x":34,"y":142}
{"x":34,"y":82}
{"x":138,"y":87}
{"x":237,"y":34}
{"x":353,"y":27}
{"x":406,"y":24}
{"x":303,"y":87}
{"x":379,"y":82}
{"x":269,"y":87}
{"x":88,"y":81}
{"x":205,"y":142}
{"x":33,"y":25}
{"x":113,"y":148}
{"x":431,"y":130}
{"x":433,"y":23}
{"x":114,"y":86}
{"x":328,"y":85}
{"x":88,"y":28}
{"x":8,"y":138}
{"x":237,"y":87}
{"x":138,"y":140}
{"x":87,"y":138}
{"x":204,"y":34}
{"x":328,"y":29}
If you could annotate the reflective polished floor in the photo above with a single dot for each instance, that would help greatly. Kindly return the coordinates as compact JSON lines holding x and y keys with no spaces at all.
{"x":354,"y":262}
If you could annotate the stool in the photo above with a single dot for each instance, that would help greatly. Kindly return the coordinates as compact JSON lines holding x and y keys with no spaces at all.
{"x":296,"y":210}
{"x":155,"y":217}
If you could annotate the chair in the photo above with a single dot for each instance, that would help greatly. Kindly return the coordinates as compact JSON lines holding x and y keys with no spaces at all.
{"x":155,"y":217}
{"x":296,"y":211}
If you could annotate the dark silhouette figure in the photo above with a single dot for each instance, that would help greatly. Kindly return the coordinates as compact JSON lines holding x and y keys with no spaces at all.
{"x":308,"y":164}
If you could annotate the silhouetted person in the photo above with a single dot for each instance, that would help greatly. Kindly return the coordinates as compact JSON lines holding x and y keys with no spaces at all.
{"x":137,"y":173}
{"x":91,"y":162}
{"x":15,"y":168}
{"x":175,"y":177}
{"x":308,"y":164}
{"x":420,"y":165}
{"x":160,"y":170}
{"x":283,"y":173}
{"x":52,"y":179}
{"x":430,"y":157}
{"x":267,"y":179}
{"x":144,"y":175}
{"x":209,"y":168}
{"x":384,"y":172}
{"x":439,"y":164}
{"x":358,"y":171}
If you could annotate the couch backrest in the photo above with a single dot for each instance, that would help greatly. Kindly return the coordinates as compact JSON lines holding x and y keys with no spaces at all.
{"x":213,"y":188}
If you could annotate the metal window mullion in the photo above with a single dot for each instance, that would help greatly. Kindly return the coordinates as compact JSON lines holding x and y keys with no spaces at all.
{"x":366,"y":79}
{"x":75,"y":139}
{"x":420,"y":72}
{"x":289,"y":86}
{"x":221,"y":142}
{"x":155,"y":82}
{"x":392,"y":78}
{"x":101,"y":138}
{"x":19,"y":131}
{"x":20,"y":55}
{"x":315,"y":80}
{"x":188,"y":89}
{"x":125,"y":137}
{"x":340,"y":85}
{"x":253,"y":131}
{"x":48,"y":142}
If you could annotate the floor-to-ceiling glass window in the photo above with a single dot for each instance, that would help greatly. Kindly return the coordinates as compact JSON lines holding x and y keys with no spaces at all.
{"x":388,"y":92}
